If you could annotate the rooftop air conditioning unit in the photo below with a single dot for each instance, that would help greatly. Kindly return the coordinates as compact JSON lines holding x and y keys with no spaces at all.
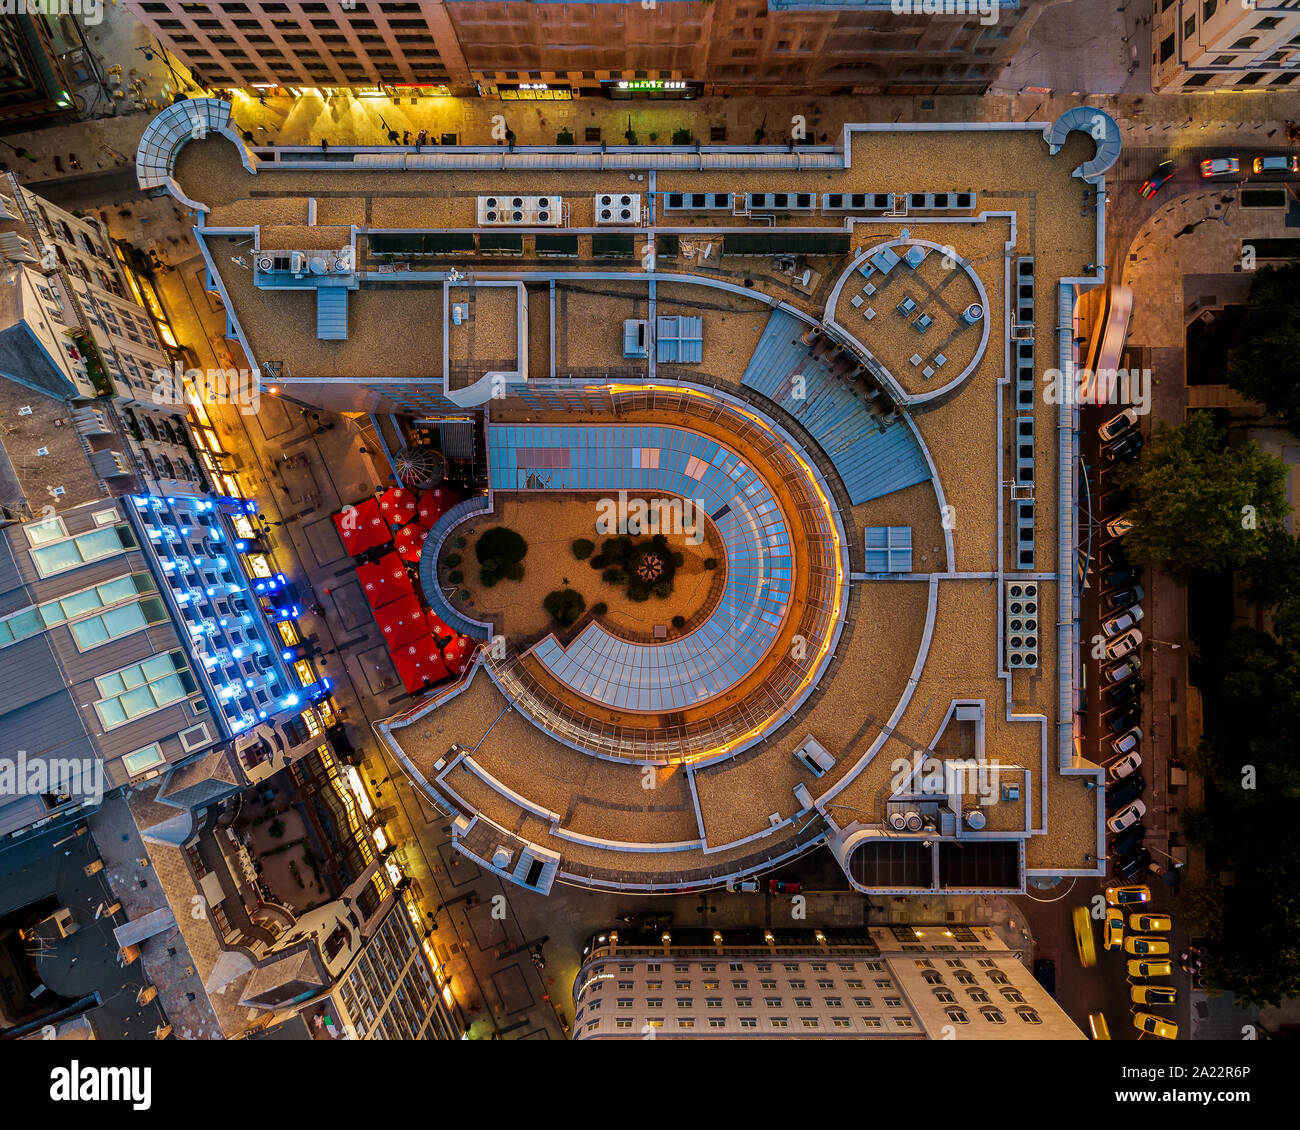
{"x":265,"y":263}
{"x":297,"y":262}
{"x":913,"y":821}
{"x":618,"y":208}
{"x":1022,"y":624}
{"x":898,"y":821}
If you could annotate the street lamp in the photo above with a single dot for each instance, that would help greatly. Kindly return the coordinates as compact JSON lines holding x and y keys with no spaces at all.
{"x":1167,"y":643}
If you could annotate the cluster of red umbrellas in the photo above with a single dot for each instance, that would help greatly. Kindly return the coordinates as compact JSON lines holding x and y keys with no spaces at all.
{"x":424,"y":649}
{"x":362,"y":527}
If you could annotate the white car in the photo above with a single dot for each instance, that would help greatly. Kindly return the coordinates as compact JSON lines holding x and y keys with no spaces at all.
{"x":1276,"y":165}
{"x":1126,"y":817}
{"x":1122,"y":623}
{"x":1126,"y":766}
{"x":1117,"y":425}
{"x":1220,"y":166}
{"x":1118,"y":527}
{"x":1127,"y":742}
{"x":1123,"y":644}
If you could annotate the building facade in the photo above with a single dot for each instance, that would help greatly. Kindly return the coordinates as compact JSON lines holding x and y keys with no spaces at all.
{"x":34,"y":82}
{"x":1220,"y":45}
{"x":519,"y":50}
{"x":899,"y":982}
{"x":74,"y":332}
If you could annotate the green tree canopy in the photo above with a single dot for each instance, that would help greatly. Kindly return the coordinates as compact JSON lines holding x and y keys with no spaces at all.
{"x":1264,"y":365}
{"x":1198,"y":504}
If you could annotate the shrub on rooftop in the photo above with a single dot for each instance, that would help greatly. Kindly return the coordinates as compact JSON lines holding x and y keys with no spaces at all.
{"x":564,"y":606}
{"x":681,"y":137}
{"x":499,"y":551}
{"x":582,"y":548}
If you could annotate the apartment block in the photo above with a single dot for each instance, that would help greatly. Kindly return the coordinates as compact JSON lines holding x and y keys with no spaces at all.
{"x":1223,"y":45}
{"x":905,"y":982}
{"x":72,"y":332}
{"x":35,"y":83}
{"x":548,"y":50}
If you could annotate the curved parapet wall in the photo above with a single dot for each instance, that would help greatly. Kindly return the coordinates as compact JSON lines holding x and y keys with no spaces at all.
{"x":1098,"y":125}
{"x":433,"y":594}
{"x":169,"y":132}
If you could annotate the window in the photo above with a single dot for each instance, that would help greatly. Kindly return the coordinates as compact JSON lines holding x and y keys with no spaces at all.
{"x":654,"y":1002}
{"x":624,"y":1002}
{"x":965,"y":978}
{"x":871,"y":1022}
{"x":744,"y":1002}
{"x":1167,"y":48}
{"x":748,"y":1022}
{"x":903,"y":1022}
{"x":796,"y":983}
{"x":1207,"y":10}
{"x":684,"y":1002}
{"x":772,"y":1002}
{"x":712,"y":1002}
{"x":622,"y":1024}
{"x":862,"y":1002}
{"x":717,"y":1022}
{"x":1244,"y":42}
{"x":811,"y":1022}
{"x":1029,"y":1016}
{"x":143,"y":688}
{"x":825,"y":983}
{"x":681,"y":985}
{"x":1189,"y":26}
{"x":841,"y":1022}
{"x":740,"y":984}
{"x":1013,"y":995}
{"x":978,"y":995}
{"x":143,"y":759}
{"x":46,"y":530}
{"x":779,"y":1022}
{"x":737,"y":967}
{"x":993,"y":1015}
{"x":767,"y":983}
{"x":686,"y":1022}
{"x":957,"y":1015}
{"x":60,"y":556}
{"x":944,"y":996}
{"x":116,"y":623}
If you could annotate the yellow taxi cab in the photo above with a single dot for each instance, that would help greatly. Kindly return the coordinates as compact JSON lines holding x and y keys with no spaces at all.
{"x":1098,"y":1027}
{"x":1153,"y":994}
{"x":1145,"y":970}
{"x":1150,"y":1025}
{"x":1148,"y":947}
{"x":1084,"y":939}
{"x":1150,"y":923}
{"x":1112,"y":931}
{"x":1126,"y":896}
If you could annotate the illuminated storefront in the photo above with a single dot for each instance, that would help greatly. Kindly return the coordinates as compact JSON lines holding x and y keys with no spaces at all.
{"x":529,"y":91}
{"x":655,"y":89}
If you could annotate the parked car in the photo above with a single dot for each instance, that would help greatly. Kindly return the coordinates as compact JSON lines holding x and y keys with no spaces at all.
{"x":1118,"y":527}
{"x":1116,"y":501}
{"x":1120,"y":895}
{"x":1123,"y":717}
{"x":1150,"y":923}
{"x":1146,"y":969}
{"x":743,"y":886}
{"x":1121,"y":578}
{"x":784,"y":886}
{"x":1112,"y":931}
{"x":1123,"y":644}
{"x":1125,"y":818}
{"x":1119,"y":671}
{"x":1126,"y":766}
{"x":1117,"y":425}
{"x":1129,"y":840}
{"x":1276,"y":164}
{"x":1125,"y":791}
{"x":1152,"y":184}
{"x":1153,"y":994}
{"x":1133,"y":864}
{"x":1114,"y":556}
{"x":1120,"y":599}
{"x":1151,"y":1025}
{"x":1220,"y":167}
{"x":1126,"y":691}
{"x":1127,"y":742}
{"x":1123,"y":450}
{"x":1146,"y":947}
{"x":1121,"y":623}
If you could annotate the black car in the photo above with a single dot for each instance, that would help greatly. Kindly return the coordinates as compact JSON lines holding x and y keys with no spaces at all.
{"x":1120,"y":578}
{"x":1115,"y":502}
{"x":1123,"y":450}
{"x":1129,"y":840}
{"x":1123,"y":717}
{"x":1120,"y":599}
{"x":1130,"y":865}
{"x":1114,"y":557}
{"x":1045,"y":974}
{"x":1151,"y":185}
{"x":1125,"y":792}
{"x":1127,"y":691}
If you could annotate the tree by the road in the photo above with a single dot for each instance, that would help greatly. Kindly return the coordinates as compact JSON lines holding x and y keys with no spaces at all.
{"x":1264,"y":363}
{"x":1199,"y":505}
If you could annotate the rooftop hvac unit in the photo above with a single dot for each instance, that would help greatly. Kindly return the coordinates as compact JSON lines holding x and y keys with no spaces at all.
{"x":297,"y":261}
{"x":898,"y":821}
{"x":1022,"y":625}
{"x":318,"y":265}
{"x":975,"y":819}
{"x":618,"y":208}
{"x":520,"y":211}
{"x":265,"y":263}
{"x":913,"y":821}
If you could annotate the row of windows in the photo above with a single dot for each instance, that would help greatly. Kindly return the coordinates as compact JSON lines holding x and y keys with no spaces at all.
{"x":748,"y":1002}
{"x":740,"y":966}
{"x":31,"y":621}
{"x":776,"y":1022}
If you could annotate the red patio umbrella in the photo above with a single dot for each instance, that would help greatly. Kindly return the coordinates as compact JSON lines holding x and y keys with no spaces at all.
{"x":435,"y":503}
{"x":437,"y":627}
{"x":361,"y":527}
{"x":398,"y":505}
{"x":385,"y":580}
{"x":458,"y":653}
{"x":419,"y":661}
{"x":401,"y":621}
{"x":409,"y":541}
